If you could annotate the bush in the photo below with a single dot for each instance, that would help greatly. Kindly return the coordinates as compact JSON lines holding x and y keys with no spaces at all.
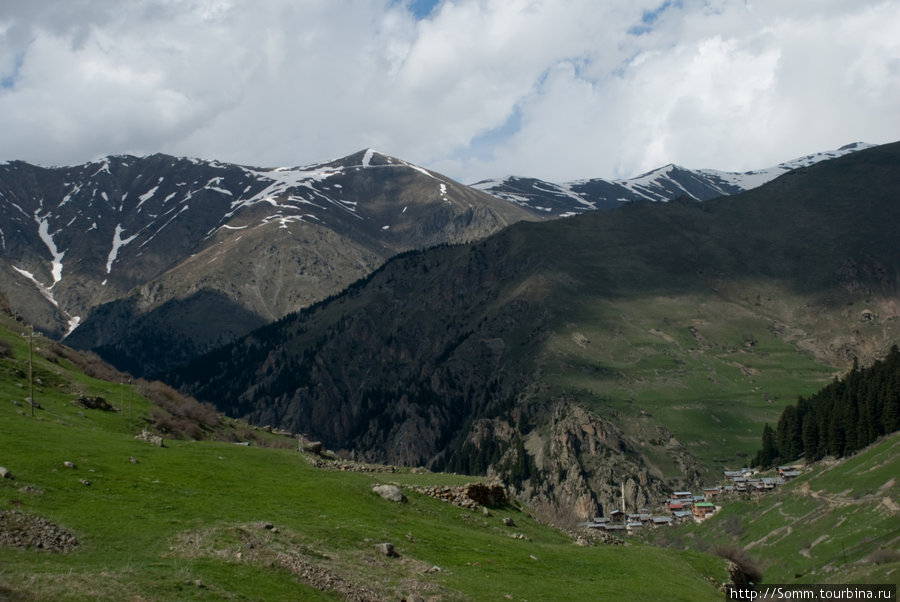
{"x":884,"y":556}
{"x":177,"y":414}
{"x":745,"y":570}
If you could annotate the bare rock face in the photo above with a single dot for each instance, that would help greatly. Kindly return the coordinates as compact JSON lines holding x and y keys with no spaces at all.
{"x":584,"y":464}
{"x":391,"y":493}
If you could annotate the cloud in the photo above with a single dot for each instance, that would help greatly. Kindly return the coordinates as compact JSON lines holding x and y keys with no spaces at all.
{"x":474,"y":88}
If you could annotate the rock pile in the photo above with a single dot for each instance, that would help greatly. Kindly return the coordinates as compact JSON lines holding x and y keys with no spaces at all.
{"x":148,"y":437}
{"x":470,"y":496}
{"x":24,"y":531}
{"x":349,"y":465}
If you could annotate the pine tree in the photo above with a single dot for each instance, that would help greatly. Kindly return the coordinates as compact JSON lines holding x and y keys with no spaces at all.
{"x":766,"y":457}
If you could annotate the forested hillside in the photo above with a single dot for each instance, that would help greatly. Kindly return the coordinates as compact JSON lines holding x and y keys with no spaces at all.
{"x":845,"y":416}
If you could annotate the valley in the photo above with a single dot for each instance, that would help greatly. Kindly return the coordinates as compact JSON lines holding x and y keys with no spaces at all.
{"x":396,"y":317}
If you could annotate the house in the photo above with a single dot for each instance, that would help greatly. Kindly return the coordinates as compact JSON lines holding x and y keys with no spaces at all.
{"x":682,"y":495}
{"x":703,"y":509}
{"x":681,"y":514}
{"x":711,"y":492}
{"x":616,"y":516}
{"x":675,"y":506}
{"x":659,"y":521}
{"x":790,"y":474}
{"x":736,"y":474}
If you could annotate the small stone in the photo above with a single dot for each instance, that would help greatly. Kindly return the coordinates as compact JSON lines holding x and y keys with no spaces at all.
{"x":84,"y":482}
{"x":68,"y":464}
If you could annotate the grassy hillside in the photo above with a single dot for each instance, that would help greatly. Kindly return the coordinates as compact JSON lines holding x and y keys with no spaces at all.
{"x":837,"y":523}
{"x":208,"y":519}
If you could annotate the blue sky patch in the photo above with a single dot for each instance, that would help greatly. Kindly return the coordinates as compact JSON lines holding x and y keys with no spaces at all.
{"x":422,"y":8}
{"x":8,"y":81}
{"x":650,"y":17}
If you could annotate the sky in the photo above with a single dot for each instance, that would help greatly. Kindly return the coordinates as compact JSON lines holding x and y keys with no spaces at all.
{"x":557,"y":89}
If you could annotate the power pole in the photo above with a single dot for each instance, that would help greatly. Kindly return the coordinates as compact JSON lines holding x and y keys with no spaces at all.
{"x":30,"y":369}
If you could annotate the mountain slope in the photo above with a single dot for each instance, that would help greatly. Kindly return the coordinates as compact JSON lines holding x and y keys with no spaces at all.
{"x":662,"y":184}
{"x":129,"y":235}
{"x":836,"y":523}
{"x":644,"y":345}
{"x":212,"y":520}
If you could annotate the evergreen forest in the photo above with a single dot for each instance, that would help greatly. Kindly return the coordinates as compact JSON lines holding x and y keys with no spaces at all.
{"x":845,"y":416}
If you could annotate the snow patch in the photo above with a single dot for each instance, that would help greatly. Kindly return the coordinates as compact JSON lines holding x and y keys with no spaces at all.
{"x":367,"y":158}
{"x":148,"y":195}
{"x":74,"y":321}
{"x":56,"y":262}
{"x":118,"y":243}
{"x":43,"y":289}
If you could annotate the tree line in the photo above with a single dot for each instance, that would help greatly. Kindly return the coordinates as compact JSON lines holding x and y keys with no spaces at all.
{"x":846,"y":415}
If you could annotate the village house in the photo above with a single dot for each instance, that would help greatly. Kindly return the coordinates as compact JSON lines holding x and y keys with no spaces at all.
{"x":711,"y":492}
{"x":703,"y":509}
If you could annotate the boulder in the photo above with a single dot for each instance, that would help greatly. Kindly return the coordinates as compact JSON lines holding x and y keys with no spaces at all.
{"x":391,"y":493}
{"x":313,"y":447}
{"x":386,"y":548}
{"x":4,"y":473}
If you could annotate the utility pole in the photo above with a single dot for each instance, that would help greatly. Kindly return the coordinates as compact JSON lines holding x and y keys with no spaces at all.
{"x":30,"y":369}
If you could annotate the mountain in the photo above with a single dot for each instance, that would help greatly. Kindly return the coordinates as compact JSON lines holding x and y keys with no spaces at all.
{"x":131,"y":256}
{"x":616,"y":352}
{"x":661,"y":184}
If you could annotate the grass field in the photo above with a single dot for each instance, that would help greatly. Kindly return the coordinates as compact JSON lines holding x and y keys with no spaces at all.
{"x":711,"y":372}
{"x":214,"y":520}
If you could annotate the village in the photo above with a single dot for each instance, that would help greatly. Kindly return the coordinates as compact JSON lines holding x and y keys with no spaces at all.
{"x":686,"y":505}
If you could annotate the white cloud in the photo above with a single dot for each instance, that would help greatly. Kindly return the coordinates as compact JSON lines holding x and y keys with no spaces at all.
{"x":555,"y":89}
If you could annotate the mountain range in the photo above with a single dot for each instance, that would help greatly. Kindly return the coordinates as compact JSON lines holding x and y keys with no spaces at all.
{"x":640,"y":349}
{"x":661,"y":184}
{"x":400,"y":316}
{"x":128,"y":255}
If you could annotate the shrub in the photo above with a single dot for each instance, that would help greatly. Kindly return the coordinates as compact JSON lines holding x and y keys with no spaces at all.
{"x":745,"y":569}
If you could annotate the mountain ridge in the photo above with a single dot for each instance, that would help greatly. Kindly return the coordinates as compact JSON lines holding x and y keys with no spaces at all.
{"x":661,"y":184}
{"x":125,"y":235}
